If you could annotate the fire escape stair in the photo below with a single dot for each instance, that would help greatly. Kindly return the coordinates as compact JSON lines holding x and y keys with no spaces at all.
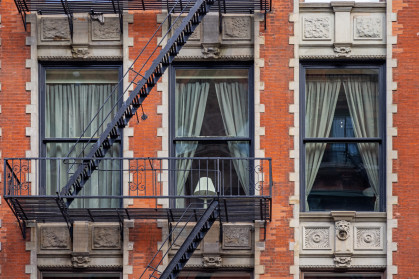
{"x":188,"y":247}
{"x":142,"y":89}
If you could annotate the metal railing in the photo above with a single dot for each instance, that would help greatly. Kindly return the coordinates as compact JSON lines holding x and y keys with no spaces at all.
{"x":195,"y":179}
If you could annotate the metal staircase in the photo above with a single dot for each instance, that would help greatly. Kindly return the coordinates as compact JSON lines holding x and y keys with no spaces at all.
{"x":144,"y":83}
{"x":179,"y":260}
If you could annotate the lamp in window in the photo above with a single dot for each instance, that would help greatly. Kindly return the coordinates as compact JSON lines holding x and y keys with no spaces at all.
{"x":205,"y":187}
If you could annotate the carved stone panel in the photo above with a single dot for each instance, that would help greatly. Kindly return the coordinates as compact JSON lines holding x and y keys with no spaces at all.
{"x":109,"y":30}
{"x":368,"y":238}
{"x":55,"y":238}
{"x":106,"y":237}
{"x":237,"y":237}
{"x":317,"y":28}
{"x":368,"y":27}
{"x":237,"y":28}
{"x":55,"y":29}
{"x":180,"y":236}
{"x":196,"y":35}
{"x":316,"y":238}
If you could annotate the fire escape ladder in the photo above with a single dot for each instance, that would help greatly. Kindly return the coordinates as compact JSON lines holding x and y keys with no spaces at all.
{"x":191,"y":243}
{"x":82,"y":171}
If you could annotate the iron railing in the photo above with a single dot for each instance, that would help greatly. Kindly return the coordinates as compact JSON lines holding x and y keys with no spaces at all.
{"x":187,"y":179}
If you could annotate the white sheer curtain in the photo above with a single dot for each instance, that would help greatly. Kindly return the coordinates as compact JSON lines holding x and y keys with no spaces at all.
{"x":321,"y":98}
{"x":68,"y":110}
{"x":233,"y":101}
{"x":190,"y":102}
{"x":362,"y":95}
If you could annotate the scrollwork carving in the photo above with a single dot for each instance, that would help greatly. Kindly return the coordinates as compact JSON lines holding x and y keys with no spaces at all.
{"x":211,"y":261}
{"x":80,"y":52}
{"x":80,"y":261}
{"x":342,"y":51}
{"x":316,"y":28}
{"x":342,"y":262}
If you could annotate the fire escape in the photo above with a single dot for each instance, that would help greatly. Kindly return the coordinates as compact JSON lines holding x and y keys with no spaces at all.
{"x":23,"y":176}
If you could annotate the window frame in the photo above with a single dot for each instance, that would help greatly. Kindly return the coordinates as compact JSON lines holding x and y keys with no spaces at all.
{"x":211,"y":139}
{"x":332,"y":275}
{"x":381,"y":139}
{"x":43,"y":140}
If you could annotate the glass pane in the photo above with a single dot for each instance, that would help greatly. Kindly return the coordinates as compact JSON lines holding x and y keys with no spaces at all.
{"x":202,"y":176}
{"x":342,"y":176}
{"x":342,"y":103}
{"x":104,"y":181}
{"x":74,"y":97}
{"x":81,"y":276}
{"x":211,"y":102}
{"x":343,"y":276}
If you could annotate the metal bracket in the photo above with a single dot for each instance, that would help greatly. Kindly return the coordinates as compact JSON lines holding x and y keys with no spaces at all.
{"x":64,"y":211}
{"x":69,"y":14}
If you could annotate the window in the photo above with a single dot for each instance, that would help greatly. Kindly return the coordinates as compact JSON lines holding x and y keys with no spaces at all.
{"x":327,"y":1}
{"x":81,"y":275}
{"x":214,"y":275}
{"x":212,"y":117}
{"x":354,"y":275}
{"x":70,"y":99}
{"x":342,"y":138}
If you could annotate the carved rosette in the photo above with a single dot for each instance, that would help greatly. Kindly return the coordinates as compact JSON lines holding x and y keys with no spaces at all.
{"x":316,"y":28}
{"x":55,"y":238}
{"x":212,"y":261}
{"x":368,"y":27}
{"x":368,"y":238}
{"x":237,"y":237}
{"x":237,"y":28}
{"x":106,"y":238}
{"x":342,"y":262}
{"x":316,"y":238}
{"x":342,"y":229}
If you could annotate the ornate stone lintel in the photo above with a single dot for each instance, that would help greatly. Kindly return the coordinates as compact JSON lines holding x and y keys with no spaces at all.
{"x":211,"y":50}
{"x":80,"y":52}
{"x":342,"y":229}
{"x":80,"y":261}
{"x":342,"y":262}
{"x":212,"y":261}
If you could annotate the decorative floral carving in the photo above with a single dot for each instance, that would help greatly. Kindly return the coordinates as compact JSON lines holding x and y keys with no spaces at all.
{"x":316,"y":238}
{"x":342,"y":262}
{"x":342,"y":229}
{"x":55,"y":238}
{"x":80,"y":261}
{"x":237,"y":237}
{"x":106,"y":238}
{"x":342,"y":51}
{"x":55,"y":29}
{"x":211,"y":51}
{"x":211,"y":261}
{"x":80,"y":52}
{"x":109,"y":30}
{"x":368,"y":238}
{"x":237,"y":28}
{"x":316,"y":27}
{"x":368,"y":27}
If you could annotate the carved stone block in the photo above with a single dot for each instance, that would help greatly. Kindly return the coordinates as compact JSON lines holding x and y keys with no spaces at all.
{"x":211,"y":261}
{"x":55,"y":29}
{"x":106,"y":237}
{"x":196,"y":35}
{"x":342,"y":229}
{"x":179,"y":237}
{"x":316,"y":238}
{"x":342,"y":262}
{"x":317,"y":28}
{"x":368,"y":238}
{"x":237,"y":237}
{"x":80,"y":261}
{"x":237,"y":28}
{"x":109,"y":30}
{"x":368,"y":27}
{"x":55,"y":238}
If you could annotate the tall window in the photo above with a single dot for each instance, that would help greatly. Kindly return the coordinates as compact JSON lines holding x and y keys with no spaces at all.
{"x":71,"y":98}
{"x":212,"y":117}
{"x":343,"y":131}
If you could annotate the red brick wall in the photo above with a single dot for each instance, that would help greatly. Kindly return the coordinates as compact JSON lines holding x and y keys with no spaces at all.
{"x":277,"y":143}
{"x":407,"y":122}
{"x":13,"y":122}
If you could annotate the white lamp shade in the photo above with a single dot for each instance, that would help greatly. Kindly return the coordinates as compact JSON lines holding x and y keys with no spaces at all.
{"x":205,"y":187}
